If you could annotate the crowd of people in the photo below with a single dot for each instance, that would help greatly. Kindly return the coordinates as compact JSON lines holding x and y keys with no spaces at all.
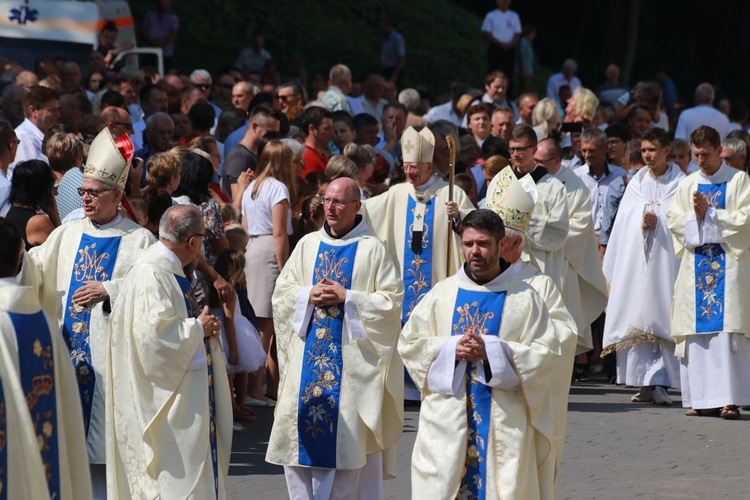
{"x":178,"y":250}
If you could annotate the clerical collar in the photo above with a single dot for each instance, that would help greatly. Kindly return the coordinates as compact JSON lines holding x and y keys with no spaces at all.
{"x":327,"y":228}
{"x":108,"y":225}
{"x":507,"y":271}
{"x":535,"y":174}
{"x":166,"y":252}
{"x":426,"y":185}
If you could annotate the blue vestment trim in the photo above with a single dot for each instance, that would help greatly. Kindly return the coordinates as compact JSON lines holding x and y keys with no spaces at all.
{"x":95,"y":262}
{"x":417,"y":266}
{"x":36,"y":360}
{"x":323,"y":363}
{"x":194,"y":310}
{"x":480,"y":313}
{"x":3,"y":445}
{"x":710,"y":271}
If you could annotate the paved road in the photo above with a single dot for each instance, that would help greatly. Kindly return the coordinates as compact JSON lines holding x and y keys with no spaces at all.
{"x":615,"y":450}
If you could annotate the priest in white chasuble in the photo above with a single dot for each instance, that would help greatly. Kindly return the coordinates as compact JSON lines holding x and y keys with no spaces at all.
{"x":37,"y":354}
{"x":641,"y":268}
{"x":168,"y":407}
{"x":76,"y":272}
{"x":584,"y":289}
{"x":22,"y":473}
{"x":547,"y":231}
{"x":337,"y":311}
{"x":417,"y":221}
{"x":710,"y":220}
{"x":485,"y":348}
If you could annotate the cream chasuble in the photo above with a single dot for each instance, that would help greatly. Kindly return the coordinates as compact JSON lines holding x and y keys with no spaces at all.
{"x":341,"y":391}
{"x":74,"y":253}
{"x":640,"y":264}
{"x":396,"y":215}
{"x":584,"y":289}
{"x":42,"y":362}
{"x":548,"y":229}
{"x":502,"y":442}
{"x":22,"y":474}
{"x":713,"y":283}
{"x":163,"y":439}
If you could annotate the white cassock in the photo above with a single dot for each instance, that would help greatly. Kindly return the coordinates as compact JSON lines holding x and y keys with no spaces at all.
{"x":37,"y":353}
{"x":493,"y":438}
{"x":711,"y":308}
{"x":340,"y":406}
{"x":163,"y":438}
{"x":403,"y":210}
{"x":641,"y":268}
{"x":74,"y":253}
{"x":548,"y":230}
{"x":22,"y":474}
{"x":584,"y":289}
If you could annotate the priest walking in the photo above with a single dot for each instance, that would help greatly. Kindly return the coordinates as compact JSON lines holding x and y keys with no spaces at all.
{"x":337,"y":309}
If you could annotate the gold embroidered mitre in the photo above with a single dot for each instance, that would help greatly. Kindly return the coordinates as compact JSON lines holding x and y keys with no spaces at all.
{"x":512,"y":200}
{"x":109,"y":162}
{"x":417,"y":147}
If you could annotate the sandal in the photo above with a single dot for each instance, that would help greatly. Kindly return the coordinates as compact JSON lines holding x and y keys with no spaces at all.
{"x":730,"y":412}
{"x":244,"y":414}
{"x":712,"y":412}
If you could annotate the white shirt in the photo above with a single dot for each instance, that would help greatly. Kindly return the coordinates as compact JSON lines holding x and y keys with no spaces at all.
{"x":4,"y":193}
{"x":503,"y":25}
{"x":443,"y":112}
{"x":257,"y":212}
{"x":558,"y":80}
{"x":30,"y":147}
{"x":703,"y":114}
{"x":598,"y":189}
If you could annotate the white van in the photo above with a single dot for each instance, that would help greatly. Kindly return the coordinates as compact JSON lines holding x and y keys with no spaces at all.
{"x":32,"y":29}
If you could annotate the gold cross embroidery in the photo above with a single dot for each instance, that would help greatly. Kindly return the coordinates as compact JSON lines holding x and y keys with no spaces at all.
{"x":409,"y":146}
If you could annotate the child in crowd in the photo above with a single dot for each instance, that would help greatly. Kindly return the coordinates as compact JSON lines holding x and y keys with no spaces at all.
{"x":242,"y":347}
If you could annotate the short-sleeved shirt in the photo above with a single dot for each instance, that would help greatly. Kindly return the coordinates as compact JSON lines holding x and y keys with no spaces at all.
{"x":160,"y":26}
{"x":257,"y":212}
{"x":503,"y":25}
{"x":392,"y":48}
{"x":250,"y":61}
{"x":314,"y":161}
{"x":237,"y":161}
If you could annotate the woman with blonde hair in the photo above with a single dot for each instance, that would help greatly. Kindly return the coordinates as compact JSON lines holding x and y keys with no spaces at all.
{"x":363,"y":155}
{"x":545,"y":118}
{"x":581,"y":107}
{"x":64,"y":152}
{"x":267,"y":218}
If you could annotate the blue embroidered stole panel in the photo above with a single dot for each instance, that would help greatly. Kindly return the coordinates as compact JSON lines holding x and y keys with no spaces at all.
{"x":710,"y":271}
{"x":3,"y":445}
{"x":95,"y":262}
{"x":36,"y":361}
{"x":322,"y":363}
{"x":194,"y":310}
{"x":480,"y":313}
{"x":417,"y":270}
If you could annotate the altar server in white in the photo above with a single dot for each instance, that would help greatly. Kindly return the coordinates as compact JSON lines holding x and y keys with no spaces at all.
{"x":641,"y":268}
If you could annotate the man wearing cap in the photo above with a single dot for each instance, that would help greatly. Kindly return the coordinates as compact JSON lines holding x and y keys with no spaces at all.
{"x":76,"y":274}
{"x":488,"y":347}
{"x":548,"y":230}
{"x":584,"y":289}
{"x":337,"y":307}
{"x":169,"y":407}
